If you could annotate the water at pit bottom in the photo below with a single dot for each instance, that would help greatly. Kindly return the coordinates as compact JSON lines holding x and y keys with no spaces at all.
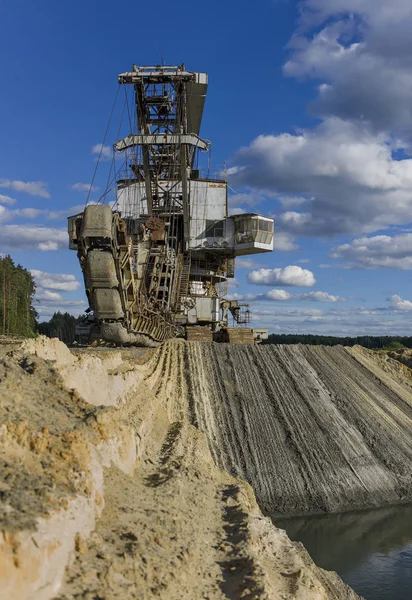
{"x":370,"y":550}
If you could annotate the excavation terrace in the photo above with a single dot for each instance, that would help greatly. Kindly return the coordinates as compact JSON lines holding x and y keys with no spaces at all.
{"x":142,"y":473}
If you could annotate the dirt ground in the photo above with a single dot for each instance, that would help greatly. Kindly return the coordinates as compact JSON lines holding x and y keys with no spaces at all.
{"x":109,"y":489}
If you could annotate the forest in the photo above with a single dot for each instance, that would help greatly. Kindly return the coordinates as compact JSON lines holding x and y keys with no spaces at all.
{"x":17,"y":288}
{"x":367,"y":341}
{"x":62,"y":326}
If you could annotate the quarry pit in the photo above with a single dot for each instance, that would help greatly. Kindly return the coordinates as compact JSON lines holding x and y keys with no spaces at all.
{"x":131,"y":473}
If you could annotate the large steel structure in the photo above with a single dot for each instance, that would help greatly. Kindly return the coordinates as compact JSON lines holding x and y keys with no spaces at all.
{"x":156,"y":265}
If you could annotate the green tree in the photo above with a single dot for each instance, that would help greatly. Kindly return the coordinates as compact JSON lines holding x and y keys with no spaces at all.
{"x":17,"y":288}
{"x":62,"y":326}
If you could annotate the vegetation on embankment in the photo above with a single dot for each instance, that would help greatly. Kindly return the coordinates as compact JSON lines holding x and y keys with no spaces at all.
{"x":381,"y":342}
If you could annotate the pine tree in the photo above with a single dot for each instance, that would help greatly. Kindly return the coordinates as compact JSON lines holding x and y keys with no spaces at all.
{"x":17,"y":288}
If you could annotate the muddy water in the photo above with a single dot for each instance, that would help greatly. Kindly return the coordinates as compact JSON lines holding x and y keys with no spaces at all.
{"x":370,"y":550}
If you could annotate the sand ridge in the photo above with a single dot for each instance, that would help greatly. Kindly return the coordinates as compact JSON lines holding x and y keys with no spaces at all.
{"x":122,"y":497}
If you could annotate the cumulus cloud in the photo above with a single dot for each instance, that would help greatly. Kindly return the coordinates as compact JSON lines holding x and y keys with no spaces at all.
{"x":277,"y":295}
{"x":105,"y":152}
{"x":380,"y":251}
{"x":292,"y":201}
{"x":350,"y":175}
{"x":7,"y":200}
{"x":55,"y":281}
{"x":28,"y":213}
{"x":289,"y":276}
{"x":47,"y":295}
{"x":24,"y":237}
{"x":352,"y":172}
{"x":7,"y":214}
{"x":34,"y":188}
{"x":361,"y":54}
{"x":320,"y":297}
{"x":246,"y":263}
{"x":232,"y":283}
{"x":284,"y":242}
{"x":47,"y":302}
{"x":84,"y":187}
{"x":398,"y":303}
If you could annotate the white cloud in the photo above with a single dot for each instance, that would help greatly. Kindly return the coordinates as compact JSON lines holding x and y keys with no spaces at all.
{"x":47,"y":295}
{"x":361,"y":56}
{"x":237,"y":211}
{"x":28,"y":213}
{"x":7,"y":200}
{"x":246,"y":263}
{"x":47,"y":246}
{"x":84,"y":187}
{"x":284,"y":242}
{"x":304,"y":261}
{"x":55,"y":281}
{"x":105,"y":152}
{"x":380,"y":251}
{"x":34,"y":188}
{"x":24,"y":237}
{"x":289,"y":276}
{"x":320,"y":297}
{"x":399,"y":304}
{"x":350,"y":174}
{"x":277,"y":295}
{"x":292,"y":201}
{"x":5,"y":214}
{"x":233,"y":283}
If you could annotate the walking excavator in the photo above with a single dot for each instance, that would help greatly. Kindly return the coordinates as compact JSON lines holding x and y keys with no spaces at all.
{"x":157,"y":260}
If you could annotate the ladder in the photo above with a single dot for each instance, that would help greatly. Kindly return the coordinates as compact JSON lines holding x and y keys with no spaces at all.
{"x":184,"y":278}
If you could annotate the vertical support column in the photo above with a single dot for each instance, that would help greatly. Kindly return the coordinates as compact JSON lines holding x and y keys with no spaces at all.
{"x":147,"y":179}
{"x":184,"y":168}
{"x":144,"y":128}
{"x":185,"y":194}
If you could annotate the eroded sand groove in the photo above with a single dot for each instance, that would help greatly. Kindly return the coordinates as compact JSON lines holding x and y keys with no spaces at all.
{"x":310,"y":428}
{"x":108,"y":491}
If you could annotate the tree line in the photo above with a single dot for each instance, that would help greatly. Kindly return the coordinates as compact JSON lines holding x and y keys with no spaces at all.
{"x":62,"y":326}
{"x":17,"y":313}
{"x":17,"y":288}
{"x":367,"y":341}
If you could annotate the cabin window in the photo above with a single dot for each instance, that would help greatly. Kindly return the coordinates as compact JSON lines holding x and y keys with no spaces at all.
{"x":254,"y":229}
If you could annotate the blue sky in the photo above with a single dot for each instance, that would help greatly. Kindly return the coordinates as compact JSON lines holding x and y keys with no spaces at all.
{"x":309,"y":104}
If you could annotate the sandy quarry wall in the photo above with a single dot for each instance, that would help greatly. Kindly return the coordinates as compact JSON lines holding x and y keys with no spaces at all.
{"x":108,"y":490}
{"x":310,"y":428}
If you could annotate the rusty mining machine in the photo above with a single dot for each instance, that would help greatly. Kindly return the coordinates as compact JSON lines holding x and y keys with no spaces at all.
{"x":157,"y":261}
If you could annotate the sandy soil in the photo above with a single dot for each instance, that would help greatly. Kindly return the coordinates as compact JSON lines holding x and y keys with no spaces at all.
{"x":312,"y":429}
{"x":109,"y":490}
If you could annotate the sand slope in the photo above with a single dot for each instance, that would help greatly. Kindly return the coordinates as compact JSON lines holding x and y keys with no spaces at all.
{"x":109,"y":490}
{"x":311,"y":428}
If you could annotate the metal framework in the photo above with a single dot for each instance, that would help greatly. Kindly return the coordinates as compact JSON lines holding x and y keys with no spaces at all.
{"x":169,"y":104}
